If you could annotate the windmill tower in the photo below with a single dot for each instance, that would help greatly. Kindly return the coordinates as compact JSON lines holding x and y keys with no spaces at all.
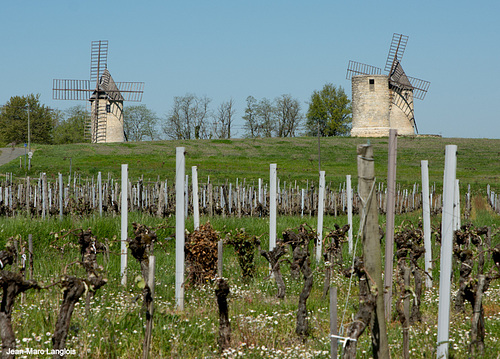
{"x":106,"y":97}
{"x":381,"y":102}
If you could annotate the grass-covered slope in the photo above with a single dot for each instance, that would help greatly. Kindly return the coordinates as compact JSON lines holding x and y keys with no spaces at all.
{"x":297,"y":158}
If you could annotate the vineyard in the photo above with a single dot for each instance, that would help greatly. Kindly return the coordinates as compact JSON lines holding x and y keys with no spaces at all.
{"x":63,"y":293}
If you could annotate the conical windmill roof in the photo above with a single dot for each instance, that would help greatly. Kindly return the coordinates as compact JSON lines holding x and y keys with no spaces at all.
{"x":399,"y":78}
{"x":108,"y":87}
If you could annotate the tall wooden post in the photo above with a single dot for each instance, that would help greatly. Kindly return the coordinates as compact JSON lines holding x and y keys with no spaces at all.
{"x":371,"y":247}
{"x":450,"y":168}
{"x":389,"y":227}
{"x":333,"y":322}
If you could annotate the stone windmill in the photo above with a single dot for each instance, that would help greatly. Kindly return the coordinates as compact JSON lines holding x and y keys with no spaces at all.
{"x":381,"y":102}
{"x":105,"y":95}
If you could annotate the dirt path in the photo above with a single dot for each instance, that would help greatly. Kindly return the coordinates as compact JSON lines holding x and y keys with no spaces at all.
{"x":8,"y":154}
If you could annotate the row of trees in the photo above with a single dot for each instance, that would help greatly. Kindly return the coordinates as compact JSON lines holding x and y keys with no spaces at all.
{"x":190,"y":117}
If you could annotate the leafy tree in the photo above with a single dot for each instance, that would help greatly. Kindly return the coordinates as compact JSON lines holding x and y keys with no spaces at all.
{"x":331,"y":108}
{"x":71,"y":129}
{"x":288,"y":115}
{"x":188,"y":118}
{"x":140,"y":123}
{"x":14,"y":120}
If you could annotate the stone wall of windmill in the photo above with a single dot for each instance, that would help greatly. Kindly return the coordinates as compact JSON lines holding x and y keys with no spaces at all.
{"x":106,"y":121}
{"x":373,"y":109}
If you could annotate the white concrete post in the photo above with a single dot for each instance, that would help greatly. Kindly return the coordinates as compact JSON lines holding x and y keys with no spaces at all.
{"x":260,"y":190}
{"x":124,"y":225}
{"x":196,"y":205}
{"x":456,"y":206}
{"x":349,"y":212}
{"x":272,"y":206}
{"x":302,"y":202}
{"x":321,"y":210}
{"x":180,"y":163}
{"x":450,"y":167}
{"x":99,"y":188}
{"x":426,"y":217}
{"x":61,"y":200}
{"x":186,"y":196}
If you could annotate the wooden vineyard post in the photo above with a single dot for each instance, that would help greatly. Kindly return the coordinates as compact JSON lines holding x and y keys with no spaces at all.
{"x":406,"y":312}
{"x":196,"y":204}
{"x":349,"y":213}
{"x":333,"y":322}
{"x":426,"y":218}
{"x":321,"y":210}
{"x":390,"y":213}
{"x":272,"y":206}
{"x":150,"y":307}
{"x":372,"y":248}
{"x":124,"y":225}
{"x":450,"y":167}
{"x":180,"y":163}
{"x":219,"y":258}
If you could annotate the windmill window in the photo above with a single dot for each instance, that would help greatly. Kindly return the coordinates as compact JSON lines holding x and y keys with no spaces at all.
{"x":372,"y":84}
{"x":108,"y":108}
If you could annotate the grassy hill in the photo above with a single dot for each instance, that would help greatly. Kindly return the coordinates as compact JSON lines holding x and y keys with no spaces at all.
{"x":297,"y":159}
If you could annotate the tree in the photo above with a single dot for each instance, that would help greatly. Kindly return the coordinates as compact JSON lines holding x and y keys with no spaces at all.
{"x":188,"y":118}
{"x":288,"y":115}
{"x":14,"y":120}
{"x":251,"y":121}
{"x":140,"y":123}
{"x":266,"y":114}
{"x":223,"y":119}
{"x":331,"y":108}
{"x":71,"y":129}
{"x":260,"y":118}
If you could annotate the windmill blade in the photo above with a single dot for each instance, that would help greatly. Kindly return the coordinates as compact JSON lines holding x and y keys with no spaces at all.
{"x":405,"y":103}
{"x":131,"y":91}
{"x":71,"y":89}
{"x":420,"y":87}
{"x":98,"y":59}
{"x":396,"y":51}
{"x":357,"y":68}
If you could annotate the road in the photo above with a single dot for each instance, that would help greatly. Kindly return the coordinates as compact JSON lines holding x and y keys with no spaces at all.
{"x":8,"y":154}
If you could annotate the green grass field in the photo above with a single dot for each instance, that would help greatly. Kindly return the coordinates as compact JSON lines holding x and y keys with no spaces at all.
{"x":297,"y":159}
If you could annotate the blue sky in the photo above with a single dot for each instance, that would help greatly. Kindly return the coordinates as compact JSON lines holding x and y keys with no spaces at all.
{"x":232,"y":49}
